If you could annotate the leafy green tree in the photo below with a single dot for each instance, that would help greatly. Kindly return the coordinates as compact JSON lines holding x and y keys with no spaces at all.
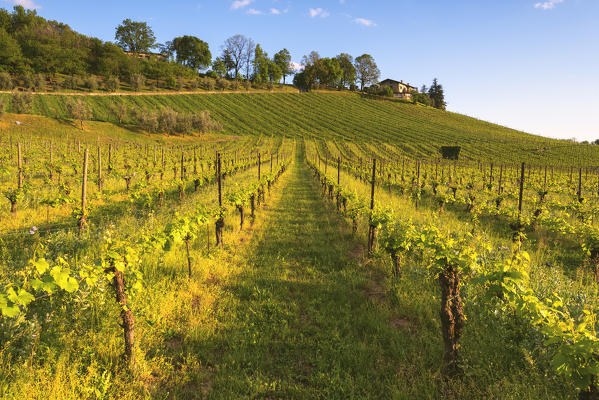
{"x":112,"y":83}
{"x":346,"y":62}
{"x":283,"y":59}
{"x":330,"y":72}
{"x":134,"y":36}
{"x":274,"y":72}
{"x":191,"y":52}
{"x":6,"y":82}
{"x":11,"y":57}
{"x":437,"y":95}
{"x":261,"y":64}
{"x":219,"y":67}
{"x":367,"y":71}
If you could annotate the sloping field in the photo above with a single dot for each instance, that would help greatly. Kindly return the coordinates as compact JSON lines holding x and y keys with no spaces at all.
{"x":416,"y":130}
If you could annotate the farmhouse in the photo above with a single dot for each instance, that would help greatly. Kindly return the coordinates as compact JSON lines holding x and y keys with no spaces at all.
{"x":400,"y":89}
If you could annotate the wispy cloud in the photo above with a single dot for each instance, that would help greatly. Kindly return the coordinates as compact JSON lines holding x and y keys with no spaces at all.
{"x":275,"y":11}
{"x":25,"y":3}
{"x":548,"y":5}
{"x":318,"y":12}
{"x":295,"y":67}
{"x":253,"y":11}
{"x":237,"y":4}
{"x":364,"y":21}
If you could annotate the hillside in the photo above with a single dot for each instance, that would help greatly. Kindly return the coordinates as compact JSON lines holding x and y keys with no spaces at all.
{"x":418,"y":131}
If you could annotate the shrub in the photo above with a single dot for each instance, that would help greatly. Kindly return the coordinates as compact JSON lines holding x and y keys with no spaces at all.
{"x":71,"y":82}
{"x":167,"y":120}
{"x":148,"y":120}
{"x":79,"y":110}
{"x":39,"y":83}
{"x":209,"y":83}
{"x":450,"y":152}
{"x":28,"y":81}
{"x":235,"y":85}
{"x":112,"y":83}
{"x":6,"y":82}
{"x":171,"y":82}
{"x":204,"y":123}
{"x":270,"y":86}
{"x":247,"y":84}
{"x":91,"y":83}
{"x":22,"y":102}
{"x":194,"y":84}
{"x":2,"y":104}
{"x":180,"y":83}
{"x":137,"y":82}
{"x":222,"y":83}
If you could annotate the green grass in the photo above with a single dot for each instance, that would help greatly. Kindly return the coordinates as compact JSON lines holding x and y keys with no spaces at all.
{"x":416,"y":130}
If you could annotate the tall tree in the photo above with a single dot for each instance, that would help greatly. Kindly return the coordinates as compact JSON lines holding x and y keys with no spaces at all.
{"x":346,"y":62}
{"x":282,"y":60}
{"x":249,"y":57}
{"x":236,"y":48}
{"x":191,"y":52}
{"x":134,"y":36}
{"x":310,"y":59}
{"x":261,"y":64}
{"x":367,"y":71}
{"x":218,"y":66}
{"x":437,"y":95}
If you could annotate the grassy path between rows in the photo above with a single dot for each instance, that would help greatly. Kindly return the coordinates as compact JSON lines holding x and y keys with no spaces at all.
{"x":298,"y":321}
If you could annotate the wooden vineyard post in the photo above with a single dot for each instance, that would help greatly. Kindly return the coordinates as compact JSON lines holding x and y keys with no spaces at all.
{"x":545,"y":179}
{"x":579,"y":184}
{"x":371,"y":228}
{"x":182,"y":167}
{"x":271,"y":163}
{"x":500,"y":177}
{"x":259,"y":162}
{"x":99,"y":169}
{"x":83,"y":218}
{"x":20,"y":165}
{"x":521,"y":193}
{"x":326,"y":162}
{"x":220,"y":223}
{"x":109,"y":157}
{"x":162,"y":166}
{"x":195,"y":161}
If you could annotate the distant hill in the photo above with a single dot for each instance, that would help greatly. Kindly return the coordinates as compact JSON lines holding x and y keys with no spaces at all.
{"x":415,"y":130}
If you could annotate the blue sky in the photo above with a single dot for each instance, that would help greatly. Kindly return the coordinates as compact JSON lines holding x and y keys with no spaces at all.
{"x":528,"y":64}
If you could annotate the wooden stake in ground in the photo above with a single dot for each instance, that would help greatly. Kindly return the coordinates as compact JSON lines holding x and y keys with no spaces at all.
{"x":83,"y":218}
{"x":579,"y":184}
{"x":259,"y":162}
{"x":99,"y":169}
{"x":371,"y":228}
{"x":220,"y":222}
{"x":521,"y":192}
{"x":20,"y":165}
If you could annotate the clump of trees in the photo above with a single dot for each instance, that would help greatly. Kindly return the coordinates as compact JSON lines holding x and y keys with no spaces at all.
{"x":342,"y":72}
{"x":167,"y":120}
{"x":433,"y":96}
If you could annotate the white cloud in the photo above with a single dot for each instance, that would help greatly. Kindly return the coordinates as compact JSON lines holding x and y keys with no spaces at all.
{"x":295,"y":67}
{"x":253,"y":11}
{"x":275,"y":11}
{"x":364,"y":21}
{"x":341,"y":1}
{"x":25,"y":3}
{"x":240,"y":4}
{"x":548,"y":5}
{"x":318,"y":12}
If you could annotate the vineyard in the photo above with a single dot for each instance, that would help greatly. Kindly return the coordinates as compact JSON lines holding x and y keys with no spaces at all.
{"x":312,"y":249}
